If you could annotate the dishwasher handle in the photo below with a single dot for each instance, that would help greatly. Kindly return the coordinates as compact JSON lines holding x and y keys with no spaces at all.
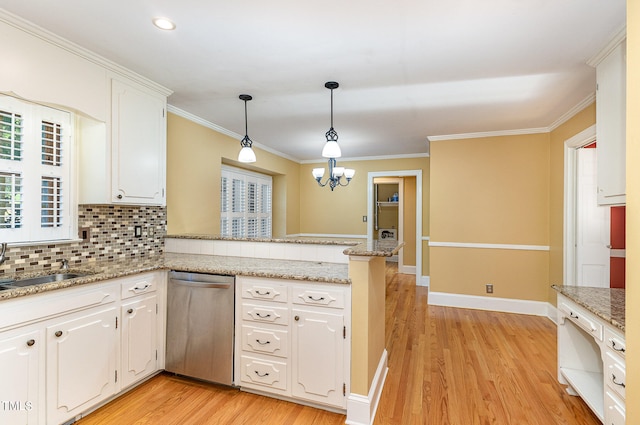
{"x":198,"y":284}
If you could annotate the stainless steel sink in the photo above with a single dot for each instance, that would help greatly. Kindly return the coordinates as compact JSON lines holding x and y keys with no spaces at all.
{"x":57,"y":277}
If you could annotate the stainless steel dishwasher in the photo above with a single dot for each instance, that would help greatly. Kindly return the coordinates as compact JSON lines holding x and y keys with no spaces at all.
{"x":200,"y":317}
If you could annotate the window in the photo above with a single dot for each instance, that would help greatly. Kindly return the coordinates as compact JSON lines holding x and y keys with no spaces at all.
{"x":35,"y":172}
{"x":245,"y":204}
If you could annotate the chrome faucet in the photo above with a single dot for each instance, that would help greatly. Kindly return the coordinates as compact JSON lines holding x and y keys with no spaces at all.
{"x":64,"y":265}
{"x":3,"y":249}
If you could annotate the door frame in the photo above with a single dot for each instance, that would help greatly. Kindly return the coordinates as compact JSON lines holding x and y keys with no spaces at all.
{"x":581,"y":139}
{"x":400,"y":173}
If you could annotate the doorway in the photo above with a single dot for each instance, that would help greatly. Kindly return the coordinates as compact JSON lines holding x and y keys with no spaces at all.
{"x":409,"y":196}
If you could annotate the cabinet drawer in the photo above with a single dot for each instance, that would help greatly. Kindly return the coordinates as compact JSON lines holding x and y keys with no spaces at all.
{"x":265,"y":314}
{"x":582,"y":318}
{"x":265,"y":341}
{"x":257,"y":289}
{"x":313,"y":295}
{"x":137,"y":285}
{"x":615,"y":373}
{"x":615,"y":342}
{"x":614,"y":409}
{"x":268,"y":374}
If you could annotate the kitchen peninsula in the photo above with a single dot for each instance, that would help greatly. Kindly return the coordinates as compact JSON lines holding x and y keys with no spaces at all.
{"x":591,"y":348}
{"x":108,"y":314}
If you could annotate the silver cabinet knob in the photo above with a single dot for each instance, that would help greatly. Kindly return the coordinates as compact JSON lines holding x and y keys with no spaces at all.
{"x":130,"y":311}
{"x":119,"y":196}
{"x":31,"y":342}
{"x":58,"y":334}
{"x":297,"y":318}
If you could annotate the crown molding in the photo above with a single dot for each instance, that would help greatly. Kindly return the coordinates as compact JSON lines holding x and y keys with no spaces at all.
{"x":215,"y":127}
{"x":573,"y":111}
{"x":617,"y":39}
{"x":489,"y":134}
{"x":62,"y":43}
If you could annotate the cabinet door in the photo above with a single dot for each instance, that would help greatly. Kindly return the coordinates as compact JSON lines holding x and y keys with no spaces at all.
{"x":22,"y":372}
{"x":611,"y":127}
{"x":139,"y":347}
{"x":138,"y":135}
{"x":81,"y":363}
{"x":317,"y":357}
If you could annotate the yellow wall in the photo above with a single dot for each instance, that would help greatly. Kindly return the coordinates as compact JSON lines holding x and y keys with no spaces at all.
{"x":633,"y":213}
{"x":409,"y":220}
{"x":341,"y":211}
{"x":490,"y":190}
{"x":194,"y":158}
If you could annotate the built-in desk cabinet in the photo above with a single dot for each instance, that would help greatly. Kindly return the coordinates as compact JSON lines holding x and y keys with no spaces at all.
{"x":65,"y":352}
{"x":292,"y":340}
{"x":591,"y":360}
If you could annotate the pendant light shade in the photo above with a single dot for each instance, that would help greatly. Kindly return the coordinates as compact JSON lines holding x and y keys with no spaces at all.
{"x":246,"y":153}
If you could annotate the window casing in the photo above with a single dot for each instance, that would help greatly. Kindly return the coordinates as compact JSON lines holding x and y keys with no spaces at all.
{"x":245,"y":203}
{"x":36,"y":192}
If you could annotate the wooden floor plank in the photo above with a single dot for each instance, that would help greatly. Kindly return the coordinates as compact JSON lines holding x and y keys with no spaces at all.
{"x":447,"y":366}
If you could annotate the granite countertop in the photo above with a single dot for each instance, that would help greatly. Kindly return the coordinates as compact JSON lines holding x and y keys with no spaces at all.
{"x":313,"y":241}
{"x":606,"y":303}
{"x":375,"y":248}
{"x":279,"y":269}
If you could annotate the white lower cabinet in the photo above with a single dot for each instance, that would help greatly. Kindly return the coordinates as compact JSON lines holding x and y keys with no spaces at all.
{"x":81,"y":363}
{"x":22,"y":370}
{"x":64,"y":352}
{"x":291,"y":339}
{"x":139,"y":346}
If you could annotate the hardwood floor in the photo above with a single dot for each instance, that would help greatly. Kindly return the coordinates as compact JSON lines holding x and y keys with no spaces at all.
{"x":447,"y":366}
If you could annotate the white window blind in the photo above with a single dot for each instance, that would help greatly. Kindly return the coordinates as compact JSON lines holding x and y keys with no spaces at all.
{"x":35,"y":172}
{"x":245,"y":204}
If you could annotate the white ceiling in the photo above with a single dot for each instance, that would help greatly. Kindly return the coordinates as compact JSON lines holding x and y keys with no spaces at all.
{"x":408,"y":69}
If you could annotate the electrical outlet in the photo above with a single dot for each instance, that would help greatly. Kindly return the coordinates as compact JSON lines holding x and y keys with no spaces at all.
{"x":137,"y":231}
{"x":489,"y":288}
{"x":364,"y":218}
{"x":84,"y":233}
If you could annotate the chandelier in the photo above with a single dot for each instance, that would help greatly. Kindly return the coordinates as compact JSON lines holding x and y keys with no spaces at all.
{"x":332,"y":151}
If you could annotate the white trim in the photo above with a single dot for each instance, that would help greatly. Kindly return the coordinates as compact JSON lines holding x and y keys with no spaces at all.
{"x":489,"y":246}
{"x":424,"y":281}
{"x":619,"y":253}
{"x":361,"y":410}
{"x":325,"y":235}
{"x":506,"y":305}
{"x":407,"y":269}
{"x":617,"y":39}
{"x":215,"y":127}
{"x":426,"y":238}
{"x":586,"y":136}
{"x":370,"y":158}
{"x":400,"y":173}
{"x":62,"y":43}
{"x":552,"y":313}
{"x":573,"y":111}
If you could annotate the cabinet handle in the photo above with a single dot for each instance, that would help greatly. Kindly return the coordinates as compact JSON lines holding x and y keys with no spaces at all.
{"x":119,"y":196}
{"x":31,"y":342}
{"x":130,"y":311}
{"x":58,"y":334}
{"x":263,"y":343}
{"x":613,"y":345}
{"x":613,"y":379}
{"x":136,"y":288}
{"x":573,"y":315}
{"x":297,"y":318}
{"x":261,"y":376}
{"x":262,"y":293}
{"x":315,"y":299}
{"x":263,"y":316}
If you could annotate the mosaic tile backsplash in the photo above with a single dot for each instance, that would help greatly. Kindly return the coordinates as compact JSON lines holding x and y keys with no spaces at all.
{"x":111,"y":236}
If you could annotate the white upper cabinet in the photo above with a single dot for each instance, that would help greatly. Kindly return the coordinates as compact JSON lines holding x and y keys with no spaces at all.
{"x":138,"y":144}
{"x":611,"y":126}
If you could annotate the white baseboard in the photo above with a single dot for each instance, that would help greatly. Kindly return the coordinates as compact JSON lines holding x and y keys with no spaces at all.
{"x":361,"y":409}
{"x":552,"y":313}
{"x":423,"y":281}
{"x":407,"y":270}
{"x":507,"y":305}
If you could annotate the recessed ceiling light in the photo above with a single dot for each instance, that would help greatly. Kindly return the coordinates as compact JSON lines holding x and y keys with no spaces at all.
{"x":164,"y":23}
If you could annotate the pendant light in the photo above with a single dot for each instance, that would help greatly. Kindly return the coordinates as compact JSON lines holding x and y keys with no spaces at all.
{"x":246,"y":153}
{"x":332,"y":151}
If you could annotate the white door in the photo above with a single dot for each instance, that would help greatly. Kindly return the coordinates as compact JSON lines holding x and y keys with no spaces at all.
{"x":592,"y":225}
